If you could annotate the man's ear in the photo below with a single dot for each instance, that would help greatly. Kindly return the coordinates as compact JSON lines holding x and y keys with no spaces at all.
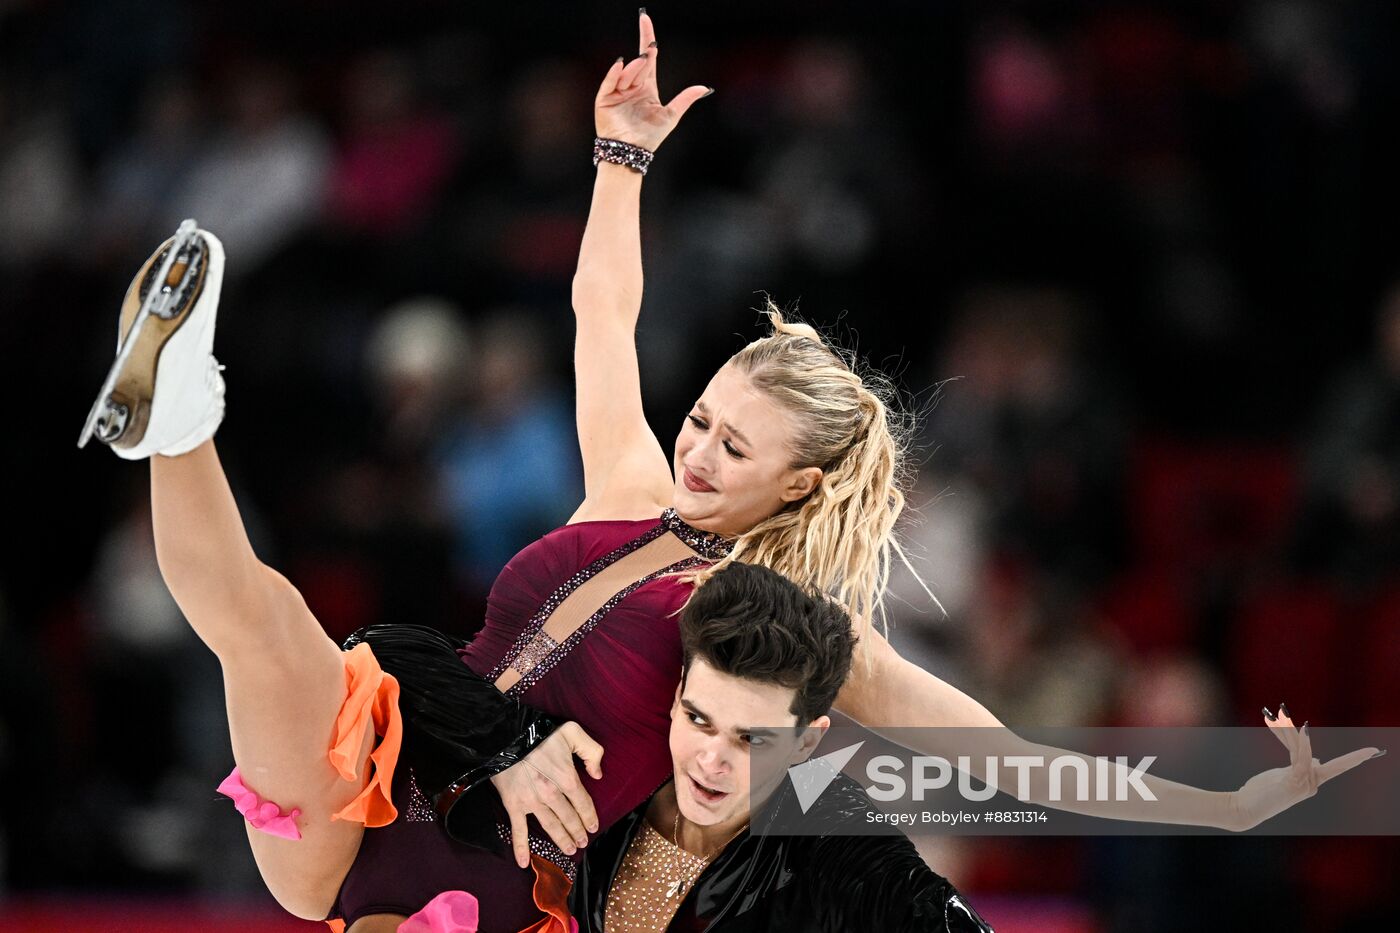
{"x":801,"y":483}
{"x":676,"y":700}
{"x":811,"y":737}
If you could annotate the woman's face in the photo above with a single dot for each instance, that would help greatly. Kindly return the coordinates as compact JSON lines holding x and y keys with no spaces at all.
{"x":733,"y":458}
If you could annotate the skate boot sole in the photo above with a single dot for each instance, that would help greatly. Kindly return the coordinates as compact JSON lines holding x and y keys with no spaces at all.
{"x":166,"y":289}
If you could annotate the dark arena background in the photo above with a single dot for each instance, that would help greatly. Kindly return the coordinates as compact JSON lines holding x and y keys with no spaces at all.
{"x":1134,"y":266}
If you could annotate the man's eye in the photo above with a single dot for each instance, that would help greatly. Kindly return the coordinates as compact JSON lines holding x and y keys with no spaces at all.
{"x":755,"y":741}
{"x":695,"y":719}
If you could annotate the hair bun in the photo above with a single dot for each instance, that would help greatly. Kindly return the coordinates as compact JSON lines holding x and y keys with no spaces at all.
{"x":788,"y":328}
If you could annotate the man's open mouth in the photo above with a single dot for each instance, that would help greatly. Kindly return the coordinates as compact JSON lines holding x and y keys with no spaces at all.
{"x":705,"y":793}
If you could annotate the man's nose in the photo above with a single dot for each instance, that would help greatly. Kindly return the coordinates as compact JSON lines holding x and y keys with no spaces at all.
{"x":712,"y":758}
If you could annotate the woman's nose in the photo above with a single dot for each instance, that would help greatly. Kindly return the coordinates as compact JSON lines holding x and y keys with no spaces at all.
{"x":702,"y":454}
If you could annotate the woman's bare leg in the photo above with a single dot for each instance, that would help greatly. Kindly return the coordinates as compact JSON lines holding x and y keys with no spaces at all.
{"x":284,"y":679}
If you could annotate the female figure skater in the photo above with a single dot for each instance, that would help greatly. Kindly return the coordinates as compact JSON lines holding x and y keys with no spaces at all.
{"x":787,"y":459}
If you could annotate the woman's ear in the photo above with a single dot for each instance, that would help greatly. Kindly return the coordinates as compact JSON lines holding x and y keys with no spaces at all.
{"x":801,"y":483}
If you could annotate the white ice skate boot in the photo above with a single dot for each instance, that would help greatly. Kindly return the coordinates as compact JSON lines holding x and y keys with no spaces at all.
{"x":164,"y":394}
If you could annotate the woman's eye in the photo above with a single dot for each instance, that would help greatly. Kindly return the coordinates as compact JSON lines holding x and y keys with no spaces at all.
{"x":698,"y":423}
{"x":733,"y":452}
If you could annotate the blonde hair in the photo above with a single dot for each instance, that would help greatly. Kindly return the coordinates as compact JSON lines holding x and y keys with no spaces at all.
{"x":840,"y":538}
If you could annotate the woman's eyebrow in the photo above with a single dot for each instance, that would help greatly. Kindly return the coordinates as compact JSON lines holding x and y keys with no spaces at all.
{"x":739,"y":435}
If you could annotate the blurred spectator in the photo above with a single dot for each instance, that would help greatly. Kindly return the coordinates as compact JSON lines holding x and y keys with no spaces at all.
{"x":1353,"y":465}
{"x":158,"y":728}
{"x":833,"y":168}
{"x":1298,"y":41}
{"x":1172,"y":692}
{"x":1031,"y":425}
{"x":40,"y":182}
{"x":1029,"y":656}
{"x":524,"y":219}
{"x":946,"y":538}
{"x":395,"y":153}
{"x":418,"y":359}
{"x":1021,"y":96}
{"x":374,"y":545}
{"x":510,"y":462}
{"x":260,"y":179}
{"x":138,"y":178}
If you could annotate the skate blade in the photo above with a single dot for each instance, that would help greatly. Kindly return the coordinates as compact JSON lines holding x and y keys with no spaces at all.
{"x":151,"y":313}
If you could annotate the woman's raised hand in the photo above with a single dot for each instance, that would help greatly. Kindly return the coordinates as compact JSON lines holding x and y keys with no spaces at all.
{"x":546,"y":784}
{"x":1271,"y":792}
{"x":628,"y":106}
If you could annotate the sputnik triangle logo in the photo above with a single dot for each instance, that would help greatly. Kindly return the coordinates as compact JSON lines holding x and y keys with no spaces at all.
{"x":811,"y":778}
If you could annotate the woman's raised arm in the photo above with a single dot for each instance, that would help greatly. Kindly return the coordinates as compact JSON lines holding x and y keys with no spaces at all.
{"x":890,"y":692}
{"x":626,"y":473}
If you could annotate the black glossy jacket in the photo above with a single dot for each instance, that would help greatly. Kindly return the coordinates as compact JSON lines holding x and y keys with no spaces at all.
{"x":834,"y":883}
{"x":459,"y":730}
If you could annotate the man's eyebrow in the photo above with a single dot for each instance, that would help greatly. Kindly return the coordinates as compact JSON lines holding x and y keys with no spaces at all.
{"x":738,"y":730}
{"x":704,"y":410}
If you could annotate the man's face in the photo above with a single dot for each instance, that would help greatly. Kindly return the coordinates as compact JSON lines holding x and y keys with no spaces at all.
{"x":732,"y":741}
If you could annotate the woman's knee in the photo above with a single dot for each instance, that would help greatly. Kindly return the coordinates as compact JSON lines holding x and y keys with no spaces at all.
{"x":305,"y":887}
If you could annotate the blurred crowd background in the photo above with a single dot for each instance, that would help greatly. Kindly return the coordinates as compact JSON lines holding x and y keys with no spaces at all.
{"x":1131,"y":263}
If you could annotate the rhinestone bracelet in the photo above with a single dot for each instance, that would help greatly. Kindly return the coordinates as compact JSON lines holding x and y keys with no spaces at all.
{"x":615,"y":150}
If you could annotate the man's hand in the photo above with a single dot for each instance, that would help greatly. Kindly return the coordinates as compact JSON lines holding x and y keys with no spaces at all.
{"x":546,"y":783}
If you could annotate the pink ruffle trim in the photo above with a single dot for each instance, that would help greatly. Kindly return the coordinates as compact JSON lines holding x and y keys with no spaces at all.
{"x":263,"y":815}
{"x":449,"y":912}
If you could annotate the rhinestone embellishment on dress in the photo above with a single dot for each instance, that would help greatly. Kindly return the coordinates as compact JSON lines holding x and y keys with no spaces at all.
{"x":707,"y":543}
{"x":546,"y":850}
{"x":535,"y":651}
{"x":420,"y":810}
{"x":533,"y":655}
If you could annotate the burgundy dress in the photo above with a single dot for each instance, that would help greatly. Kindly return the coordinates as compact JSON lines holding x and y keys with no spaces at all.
{"x":615,"y":676}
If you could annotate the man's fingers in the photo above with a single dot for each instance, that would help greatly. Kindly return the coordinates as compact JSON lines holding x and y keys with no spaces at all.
{"x":1343,"y":763}
{"x":582,"y":805}
{"x":520,"y":838}
{"x":682,"y":101}
{"x":570,"y":820}
{"x":550,"y":823}
{"x":586,"y":749}
{"x":559,"y":792}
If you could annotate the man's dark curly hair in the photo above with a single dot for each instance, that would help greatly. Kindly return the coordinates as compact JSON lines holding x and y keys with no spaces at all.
{"x":748,"y":621}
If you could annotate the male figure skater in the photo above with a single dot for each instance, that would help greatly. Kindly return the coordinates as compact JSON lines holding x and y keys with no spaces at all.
{"x":764,"y":660}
